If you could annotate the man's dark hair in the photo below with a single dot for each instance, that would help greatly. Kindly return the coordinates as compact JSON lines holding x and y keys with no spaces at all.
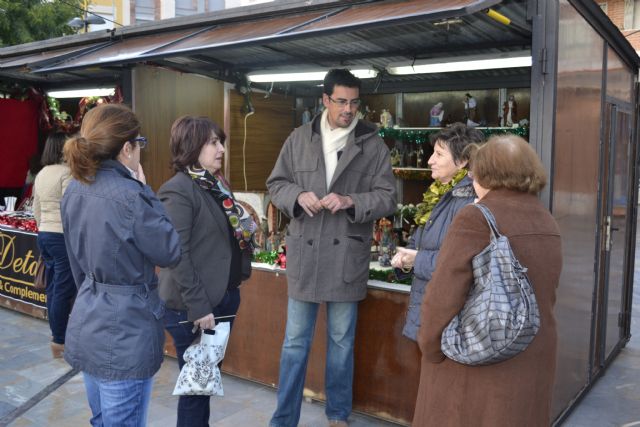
{"x":52,"y":154}
{"x":456,"y":138}
{"x":340,"y":77}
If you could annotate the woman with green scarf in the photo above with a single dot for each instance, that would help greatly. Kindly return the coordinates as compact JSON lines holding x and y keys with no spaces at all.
{"x":450,"y":191}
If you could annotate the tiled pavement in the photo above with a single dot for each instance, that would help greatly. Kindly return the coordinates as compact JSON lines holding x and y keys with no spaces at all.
{"x":27,"y":370}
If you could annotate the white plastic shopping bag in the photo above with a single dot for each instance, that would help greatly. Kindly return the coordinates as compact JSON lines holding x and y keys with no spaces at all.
{"x":200,"y":374}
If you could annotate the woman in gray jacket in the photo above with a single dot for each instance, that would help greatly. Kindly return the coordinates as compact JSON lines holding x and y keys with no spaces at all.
{"x":451,"y":190}
{"x":116,"y":232}
{"x":217,"y":239}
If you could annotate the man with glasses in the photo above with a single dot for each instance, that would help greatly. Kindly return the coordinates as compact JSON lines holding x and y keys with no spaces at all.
{"x":333,"y":179}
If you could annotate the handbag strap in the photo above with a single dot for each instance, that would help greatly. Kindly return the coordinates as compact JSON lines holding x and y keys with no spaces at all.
{"x":490,"y":219}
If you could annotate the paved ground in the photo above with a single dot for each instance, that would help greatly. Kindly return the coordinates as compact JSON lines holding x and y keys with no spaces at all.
{"x":26,"y":369}
{"x":28,"y":377}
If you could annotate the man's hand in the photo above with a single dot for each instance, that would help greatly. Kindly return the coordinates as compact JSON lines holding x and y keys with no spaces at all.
{"x":335,"y":202}
{"x":309,"y":202}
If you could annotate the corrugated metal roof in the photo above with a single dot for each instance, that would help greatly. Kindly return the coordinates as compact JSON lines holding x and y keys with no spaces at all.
{"x":372,"y":34}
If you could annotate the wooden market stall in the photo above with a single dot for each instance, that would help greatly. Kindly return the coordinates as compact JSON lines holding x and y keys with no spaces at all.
{"x":578,"y":95}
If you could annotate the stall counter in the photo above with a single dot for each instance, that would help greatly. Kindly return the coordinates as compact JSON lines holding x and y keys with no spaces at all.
{"x":387,"y":365}
{"x":18,"y":263}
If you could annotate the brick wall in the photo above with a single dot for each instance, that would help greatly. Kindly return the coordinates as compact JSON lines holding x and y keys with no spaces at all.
{"x":615,"y":11}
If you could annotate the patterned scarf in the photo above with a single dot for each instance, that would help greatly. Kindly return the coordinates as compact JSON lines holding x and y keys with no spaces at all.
{"x":432,"y":196}
{"x":241,"y":222}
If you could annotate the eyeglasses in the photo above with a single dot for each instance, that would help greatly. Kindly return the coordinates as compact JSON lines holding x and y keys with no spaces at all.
{"x":344,"y":102}
{"x":141,"y":141}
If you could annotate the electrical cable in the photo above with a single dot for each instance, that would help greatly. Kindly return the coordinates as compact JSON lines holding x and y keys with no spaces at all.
{"x":244,"y":146}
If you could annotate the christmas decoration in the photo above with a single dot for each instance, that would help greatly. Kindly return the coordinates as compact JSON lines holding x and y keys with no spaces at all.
{"x":19,"y":220}
{"x":419,"y":136}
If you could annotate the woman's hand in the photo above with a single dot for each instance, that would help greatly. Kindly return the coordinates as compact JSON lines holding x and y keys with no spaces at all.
{"x":206,"y":322}
{"x":404,"y":258}
{"x":140,"y":174}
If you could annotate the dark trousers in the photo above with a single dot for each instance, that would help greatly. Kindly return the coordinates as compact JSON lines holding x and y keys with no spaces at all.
{"x":193,"y":411}
{"x":61,"y":288}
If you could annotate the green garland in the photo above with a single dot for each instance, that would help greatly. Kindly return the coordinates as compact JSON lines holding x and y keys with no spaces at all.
{"x":412,"y":174}
{"x":387,"y":276}
{"x":419,"y":136}
{"x":265,"y":257}
{"x":382,"y":275}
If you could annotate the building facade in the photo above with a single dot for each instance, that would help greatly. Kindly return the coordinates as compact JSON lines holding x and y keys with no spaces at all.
{"x":130,"y":12}
{"x":625,"y":14}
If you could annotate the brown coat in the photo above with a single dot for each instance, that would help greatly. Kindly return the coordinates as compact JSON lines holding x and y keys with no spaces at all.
{"x":514,"y":392}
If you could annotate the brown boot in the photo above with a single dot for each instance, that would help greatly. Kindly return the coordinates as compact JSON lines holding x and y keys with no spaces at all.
{"x":57,"y":350}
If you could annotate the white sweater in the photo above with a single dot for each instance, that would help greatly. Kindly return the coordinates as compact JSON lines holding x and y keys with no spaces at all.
{"x":50,"y":184}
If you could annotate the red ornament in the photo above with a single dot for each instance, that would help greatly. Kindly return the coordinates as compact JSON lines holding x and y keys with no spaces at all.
{"x":281,"y":261}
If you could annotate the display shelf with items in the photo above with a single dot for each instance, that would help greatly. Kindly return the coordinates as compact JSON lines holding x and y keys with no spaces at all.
{"x":418,"y":135}
{"x":419,"y":174}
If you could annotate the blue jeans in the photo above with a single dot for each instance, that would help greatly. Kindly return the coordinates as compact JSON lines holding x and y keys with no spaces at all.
{"x":122,"y":403}
{"x":193,"y":411}
{"x":61,"y":288}
{"x":338,"y":376}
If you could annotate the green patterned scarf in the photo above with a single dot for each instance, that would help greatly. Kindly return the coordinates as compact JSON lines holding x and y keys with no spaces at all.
{"x":432,"y":196}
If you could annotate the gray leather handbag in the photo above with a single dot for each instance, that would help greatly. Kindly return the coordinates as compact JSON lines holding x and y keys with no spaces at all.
{"x":500,"y":317}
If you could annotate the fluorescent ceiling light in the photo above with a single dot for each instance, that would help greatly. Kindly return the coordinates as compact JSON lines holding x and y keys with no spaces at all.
{"x":462,"y":63}
{"x":304,"y":76}
{"x":81,"y":93}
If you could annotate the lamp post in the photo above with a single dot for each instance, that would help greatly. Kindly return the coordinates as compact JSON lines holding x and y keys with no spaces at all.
{"x":86,"y":20}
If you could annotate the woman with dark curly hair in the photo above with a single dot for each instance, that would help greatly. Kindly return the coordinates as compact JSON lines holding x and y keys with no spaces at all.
{"x":450,"y":191}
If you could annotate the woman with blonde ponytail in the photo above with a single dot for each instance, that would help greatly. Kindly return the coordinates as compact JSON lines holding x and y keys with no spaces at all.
{"x":116,"y":232}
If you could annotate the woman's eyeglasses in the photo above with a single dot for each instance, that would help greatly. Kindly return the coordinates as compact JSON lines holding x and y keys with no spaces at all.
{"x":141,"y":141}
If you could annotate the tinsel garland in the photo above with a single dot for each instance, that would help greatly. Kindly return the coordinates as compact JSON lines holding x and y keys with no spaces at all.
{"x":266,"y":257}
{"x":432,"y":196}
{"x":273,"y":257}
{"x":387,"y":276}
{"x":412,"y":174}
{"x":419,"y":136}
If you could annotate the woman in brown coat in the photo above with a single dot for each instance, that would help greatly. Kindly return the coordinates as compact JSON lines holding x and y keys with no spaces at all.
{"x":507,"y":175}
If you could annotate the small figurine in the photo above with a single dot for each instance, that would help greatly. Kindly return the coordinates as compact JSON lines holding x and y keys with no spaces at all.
{"x":436,"y":115}
{"x":420,"y":157}
{"x":510,"y":111}
{"x":386,"y":119}
{"x":364,"y":113}
{"x":396,"y":157}
{"x":470,"y":106}
{"x":306,"y":116}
